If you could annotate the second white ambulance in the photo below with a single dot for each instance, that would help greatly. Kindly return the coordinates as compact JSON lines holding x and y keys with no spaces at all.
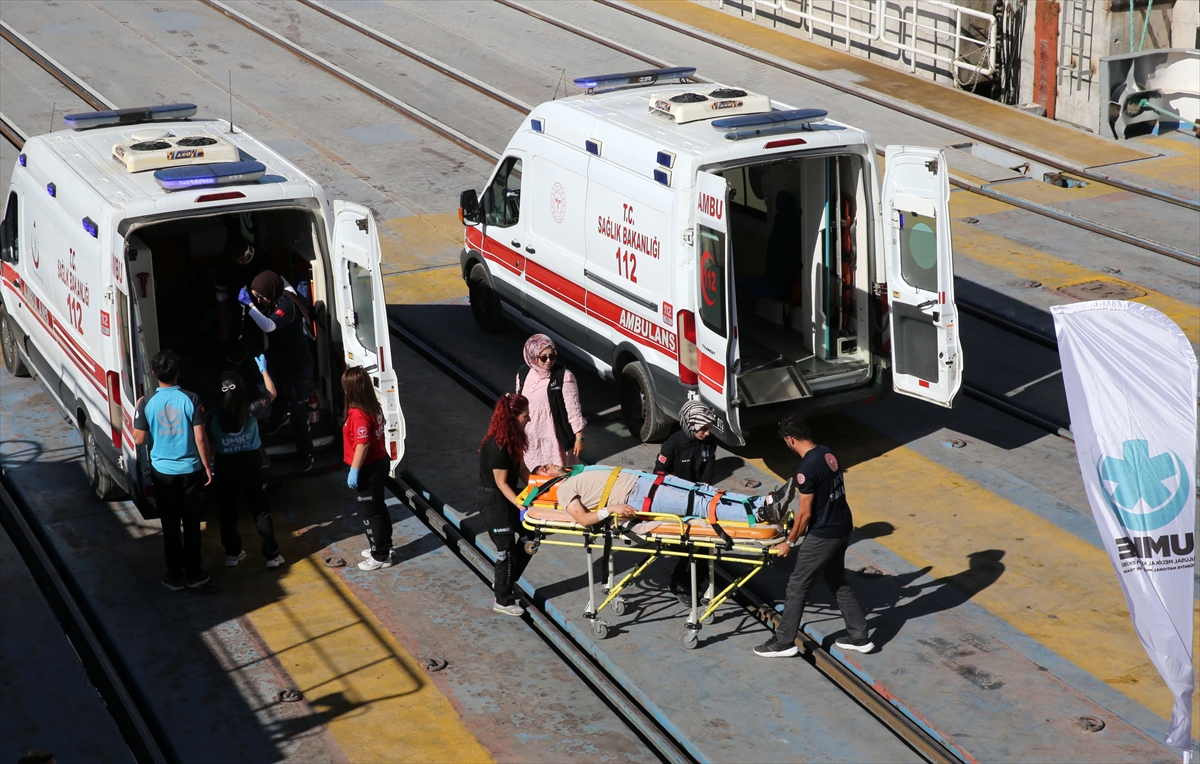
{"x":698,"y":240}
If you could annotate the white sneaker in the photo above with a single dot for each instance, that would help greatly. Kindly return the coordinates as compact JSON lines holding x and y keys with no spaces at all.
{"x":513,"y":609}
{"x":276,"y":562}
{"x":372,"y":564}
{"x":231,"y":561}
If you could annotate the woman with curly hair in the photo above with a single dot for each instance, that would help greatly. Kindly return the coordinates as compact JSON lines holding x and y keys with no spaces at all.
{"x":501,"y":472}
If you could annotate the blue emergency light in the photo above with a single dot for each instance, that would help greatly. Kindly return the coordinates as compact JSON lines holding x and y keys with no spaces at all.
{"x":666,"y":159}
{"x":167,"y":112}
{"x":662,"y":176}
{"x":21,"y":159}
{"x":89,"y":225}
{"x":538,"y":124}
{"x":52,"y":190}
{"x":749,"y":125}
{"x":645,"y":77}
{"x":215,"y":174}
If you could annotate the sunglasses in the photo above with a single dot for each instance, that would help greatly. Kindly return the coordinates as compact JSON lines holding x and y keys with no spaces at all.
{"x":548,"y":357}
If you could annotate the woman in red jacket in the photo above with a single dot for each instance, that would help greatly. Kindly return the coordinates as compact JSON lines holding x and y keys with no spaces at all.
{"x":366,"y":453}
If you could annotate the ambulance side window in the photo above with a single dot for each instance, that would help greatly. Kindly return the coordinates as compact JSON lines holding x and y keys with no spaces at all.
{"x":712,"y":279}
{"x":10,"y":249}
{"x":502,"y":200}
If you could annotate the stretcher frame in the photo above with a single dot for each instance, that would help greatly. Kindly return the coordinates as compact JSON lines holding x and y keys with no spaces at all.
{"x":654,"y":543}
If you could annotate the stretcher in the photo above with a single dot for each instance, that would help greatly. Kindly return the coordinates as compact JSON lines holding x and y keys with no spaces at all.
{"x":745,"y":545}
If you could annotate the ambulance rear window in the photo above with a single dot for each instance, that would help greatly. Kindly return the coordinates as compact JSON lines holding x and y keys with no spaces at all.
{"x":712,"y":279}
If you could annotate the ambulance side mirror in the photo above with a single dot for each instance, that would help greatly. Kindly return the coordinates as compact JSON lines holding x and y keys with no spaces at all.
{"x":468,"y":207}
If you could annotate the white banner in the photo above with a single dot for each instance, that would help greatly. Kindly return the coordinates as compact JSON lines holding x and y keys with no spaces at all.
{"x":1130,"y":376}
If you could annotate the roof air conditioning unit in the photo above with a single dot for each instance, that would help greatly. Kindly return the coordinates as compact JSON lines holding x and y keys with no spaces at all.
{"x":172,"y":151}
{"x":691,"y":106}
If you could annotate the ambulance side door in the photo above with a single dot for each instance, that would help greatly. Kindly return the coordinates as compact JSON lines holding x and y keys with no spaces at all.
{"x":918,"y":255}
{"x":715,"y":326}
{"x":504,"y":228}
{"x":361,"y":311}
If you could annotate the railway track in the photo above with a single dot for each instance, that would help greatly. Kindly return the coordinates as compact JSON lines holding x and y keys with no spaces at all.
{"x":95,"y":650}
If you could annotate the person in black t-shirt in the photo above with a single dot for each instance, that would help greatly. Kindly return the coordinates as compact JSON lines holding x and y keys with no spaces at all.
{"x":691,"y":455}
{"x":824,"y":518}
{"x":501,"y":472}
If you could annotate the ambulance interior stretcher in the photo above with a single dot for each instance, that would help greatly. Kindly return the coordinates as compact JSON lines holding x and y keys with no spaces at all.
{"x":174,"y":266}
{"x":800,"y":276}
{"x":744,"y":546}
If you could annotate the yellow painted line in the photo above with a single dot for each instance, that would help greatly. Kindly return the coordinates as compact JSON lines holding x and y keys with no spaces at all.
{"x":420,"y":241}
{"x":368,"y":691}
{"x":1179,"y":166}
{"x":434,"y":285}
{"x":1066,"y":142}
{"x":1055,"y":587}
{"x":1053,"y":272}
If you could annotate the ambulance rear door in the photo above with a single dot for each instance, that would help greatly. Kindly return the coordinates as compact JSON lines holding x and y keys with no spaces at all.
{"x":362,"y":311}
{"x":716,"y":328}
{"x":918,"y":255}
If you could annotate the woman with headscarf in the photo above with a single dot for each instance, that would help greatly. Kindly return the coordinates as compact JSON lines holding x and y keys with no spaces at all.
{"x":556,"y":422}
{"x":690,"y":454}
{"x":283,"y":315}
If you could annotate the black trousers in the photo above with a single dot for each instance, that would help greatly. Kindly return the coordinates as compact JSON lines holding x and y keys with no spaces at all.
{"x":371,"y":509}
{"x":504,"y":527}
{"x":179,"y":499}
{"x":813,"y":556}
{"x":240,"y":476}
{"x":294,"y":389}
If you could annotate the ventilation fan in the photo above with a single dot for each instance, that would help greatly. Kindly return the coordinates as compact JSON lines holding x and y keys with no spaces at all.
{"x":689,"y":106}
{"x":171,"y":151}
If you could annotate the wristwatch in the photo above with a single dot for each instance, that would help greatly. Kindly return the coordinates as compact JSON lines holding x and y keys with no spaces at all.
{"x":794,"y":544}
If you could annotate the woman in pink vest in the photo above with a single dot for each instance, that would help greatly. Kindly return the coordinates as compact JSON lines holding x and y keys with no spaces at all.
{"x":556,"y":422}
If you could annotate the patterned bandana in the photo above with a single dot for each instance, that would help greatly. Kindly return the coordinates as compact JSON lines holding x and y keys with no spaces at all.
{"x":535,"y":346}
{"x":694,"y":415}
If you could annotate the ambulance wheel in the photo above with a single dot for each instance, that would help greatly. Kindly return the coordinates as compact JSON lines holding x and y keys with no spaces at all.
{"x":12,"y":353}
{"x":485,"y":304}
{"x":617,"y":606}
{"x":690,"y":639}
{"x":102,"y":483}
{"x":643,"y":416}
{"x":600,"y":629}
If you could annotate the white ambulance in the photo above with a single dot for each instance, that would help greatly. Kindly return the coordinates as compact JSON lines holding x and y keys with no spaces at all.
{"x":112,"y":233}
{"x":698,"y":240}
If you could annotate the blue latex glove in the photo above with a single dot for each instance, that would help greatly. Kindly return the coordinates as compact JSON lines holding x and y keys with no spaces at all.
{"x":244,"y":297}
{"x":352,"y":479}
{"x":261,"y":362}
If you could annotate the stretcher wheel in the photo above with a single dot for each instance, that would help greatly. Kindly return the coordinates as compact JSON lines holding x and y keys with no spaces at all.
{"x":690,"y":639}
{"x":708,"y":620}
{"x":531,"y":547}
{"x":600,"y":629}
{"x":617,"y":606}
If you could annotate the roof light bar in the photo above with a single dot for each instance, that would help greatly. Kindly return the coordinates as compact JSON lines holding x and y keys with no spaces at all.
{"x":750,"y":125}
{"x":168,"y":112}
{"x":216,"y":174}
{"x":645,"y":77}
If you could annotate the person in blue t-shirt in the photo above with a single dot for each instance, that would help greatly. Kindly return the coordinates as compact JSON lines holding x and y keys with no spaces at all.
{"x":823,"y":518}
{"x":171,"y":420}
{"x":236,"y":441}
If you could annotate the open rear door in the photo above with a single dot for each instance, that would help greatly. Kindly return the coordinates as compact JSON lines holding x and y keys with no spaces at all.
{"x":926,"y":352}
{"x":362,"y":311}
{"x":716,"y":329}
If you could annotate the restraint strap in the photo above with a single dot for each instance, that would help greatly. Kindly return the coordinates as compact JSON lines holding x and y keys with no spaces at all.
{"x":646,"y":502}
{"x":612,"y":479}
{"x":712,"y":519}
{"x":539,"y":490}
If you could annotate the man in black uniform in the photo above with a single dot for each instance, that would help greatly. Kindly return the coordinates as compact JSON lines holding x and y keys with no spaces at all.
{"x":689,"y":454}
{"x":825,"y":515}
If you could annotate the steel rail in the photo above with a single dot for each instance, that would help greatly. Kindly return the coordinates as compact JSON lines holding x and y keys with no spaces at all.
{"x":897,"y":105}
{"x":425,"y":120}
{"x":895,"y":718}
{"x":65,"y":76}
{"x":663,"y":744}
{"x":11,"y":133}
{"x":112,"y":681}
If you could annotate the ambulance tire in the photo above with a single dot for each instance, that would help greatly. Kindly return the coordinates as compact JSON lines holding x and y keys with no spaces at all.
{"x":643,"y":415}
{"x":485,"y":304}
{"x":12,"y":353}
{"x":102,"y":483}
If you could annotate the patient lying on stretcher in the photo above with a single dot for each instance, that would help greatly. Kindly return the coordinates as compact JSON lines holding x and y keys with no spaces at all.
{"x":632,"y":491}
